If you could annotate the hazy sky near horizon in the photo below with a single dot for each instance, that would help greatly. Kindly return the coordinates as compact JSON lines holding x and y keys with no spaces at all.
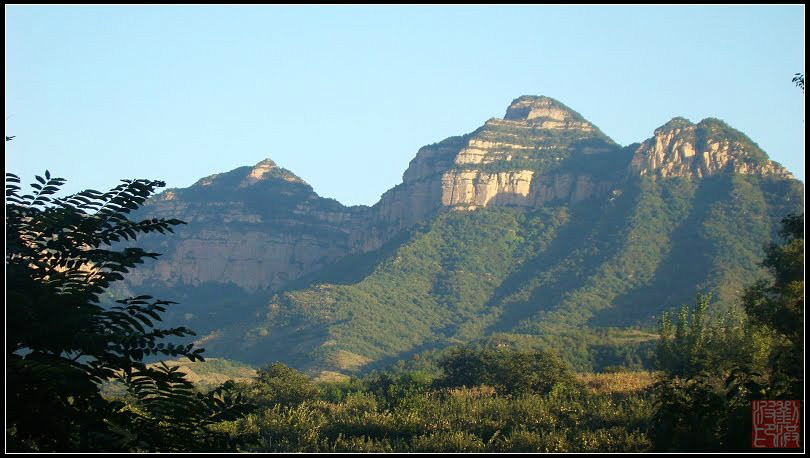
{"x":345,"y":96}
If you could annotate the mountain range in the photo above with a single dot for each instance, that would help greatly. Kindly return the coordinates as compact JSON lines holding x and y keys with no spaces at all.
{"x":536,"y":229}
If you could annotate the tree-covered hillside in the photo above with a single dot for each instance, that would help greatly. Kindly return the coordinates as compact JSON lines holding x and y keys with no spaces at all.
{"x":558,"y":277}
{"x":536,"y":230}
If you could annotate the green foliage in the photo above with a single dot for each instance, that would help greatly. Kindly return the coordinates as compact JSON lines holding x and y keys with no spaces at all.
{"x":337,"y":391}
{"x":279,"y":384}
{"x":675,"y":123}
{"x":701,"y":398}
{"x":700,"y":405}
{"x":698,"y":343}
{"x":218,"y":367}
{"x":170,"y":415}
{"x":695,"y":414}
{"x":61,"y":345}
{"x":713,"y":369}
{"x":433,"y":419}
{"x":619,"y":249}
{"x":396,"y":388}
{"x":509,"y":372}
{"x":778,"y":305}
{"x":682,"y":352}
{"x":583,"y":348}
{"x":436,"y":284}
{"x":205,"y":375}
{"x":585,"y":280}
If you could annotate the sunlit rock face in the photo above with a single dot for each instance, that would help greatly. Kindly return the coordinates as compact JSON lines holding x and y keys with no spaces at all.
{"x":261,"y":227}
{"x":593,"y":233}
{"x":680,"y":148}
{"x":522,"y":160}
{"x":255,"y":227}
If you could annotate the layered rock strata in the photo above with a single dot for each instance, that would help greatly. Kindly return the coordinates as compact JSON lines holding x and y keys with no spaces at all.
{"x":261,"y":227}
{"x":519,"y":160}
{"x":255,"y":227}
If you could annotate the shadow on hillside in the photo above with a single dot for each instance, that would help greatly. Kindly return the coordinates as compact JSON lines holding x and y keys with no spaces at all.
{"x":353,"y":268}
{"x":688,"y":262}
{"x":589,"y":240}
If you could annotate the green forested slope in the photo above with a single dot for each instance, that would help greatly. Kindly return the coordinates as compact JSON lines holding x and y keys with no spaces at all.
{"x":560,"y":277}
{"x":606,"y":239}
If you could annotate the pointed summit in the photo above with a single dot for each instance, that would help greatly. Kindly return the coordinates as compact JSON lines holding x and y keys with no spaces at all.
{"x":261,"y":169}
{"x":266,"y":162}
{"x":537,"y":109}
{"x":268,"y":169}
{"x":264,"y":171}
{"x":673,"y":124}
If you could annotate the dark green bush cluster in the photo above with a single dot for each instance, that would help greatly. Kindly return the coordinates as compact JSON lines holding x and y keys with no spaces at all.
{"x":509,"y":372}
{"x":279,"y":384}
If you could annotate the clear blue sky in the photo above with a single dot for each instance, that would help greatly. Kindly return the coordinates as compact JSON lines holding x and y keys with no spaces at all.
{"x":345,"y":96}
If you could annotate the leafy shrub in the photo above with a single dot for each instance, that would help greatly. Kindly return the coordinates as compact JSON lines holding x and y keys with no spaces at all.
{"x":336,"y":391}
{"x":394,"y":388}
{"x":279,"y":384}
{"x":508,"y":371}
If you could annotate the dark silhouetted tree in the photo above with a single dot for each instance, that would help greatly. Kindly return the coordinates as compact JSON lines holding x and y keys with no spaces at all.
{"x":62,"y":344}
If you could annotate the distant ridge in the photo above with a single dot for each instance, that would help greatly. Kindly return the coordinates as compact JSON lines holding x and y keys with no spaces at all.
{"x":536,"y":227}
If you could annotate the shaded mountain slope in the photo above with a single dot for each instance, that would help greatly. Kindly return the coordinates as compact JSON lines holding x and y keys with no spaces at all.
{"x":533,"y":228}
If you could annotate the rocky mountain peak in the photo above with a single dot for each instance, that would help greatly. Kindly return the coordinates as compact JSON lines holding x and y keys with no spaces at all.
{"x":531,"y":156}
{"x":675,"y":123}
{"x":259,"y":230}
{"x":539,"y":109}
{"x":268,"y":169}
{"x":259,"y":171}
{"x":266,"y":163}
{"x":710,"y":147}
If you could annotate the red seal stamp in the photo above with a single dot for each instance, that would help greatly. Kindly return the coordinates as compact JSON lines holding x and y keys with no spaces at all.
{"x":775,"y":424}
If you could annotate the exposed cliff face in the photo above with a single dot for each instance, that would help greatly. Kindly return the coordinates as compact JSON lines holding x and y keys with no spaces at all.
{"x":255,"y":231}
{"x":255,"y":227}
{"x":469,"y":190}
{"x":680,"y":148}
{"x":615,"y":262}
{"x":522,"y":160}
{"x":261,"y":227}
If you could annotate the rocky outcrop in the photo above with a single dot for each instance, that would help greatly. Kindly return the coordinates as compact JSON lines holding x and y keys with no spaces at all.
{"x":523,"y":188}
{"x":546,"y":113}
{"x":255,"y":227}
{"x":680,"y":148}
{"x":520,"y":160}
{"x":474,"y":189}
{"x":261,"y":227}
